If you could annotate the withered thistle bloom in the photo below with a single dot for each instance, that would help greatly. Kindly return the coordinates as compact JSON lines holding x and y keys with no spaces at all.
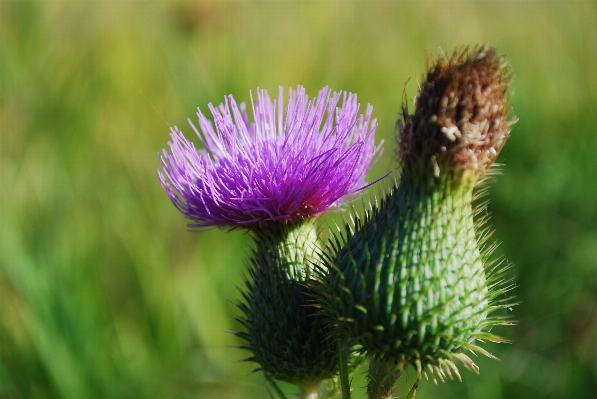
{"x":412,"y":284}
{"x":286,"y":166}
{"x":273,"y":177}
{"x":461,"y":116}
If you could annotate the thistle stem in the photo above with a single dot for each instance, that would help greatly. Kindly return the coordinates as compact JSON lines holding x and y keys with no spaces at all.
{"x":310,"y":391}
{"x":343,"y":360}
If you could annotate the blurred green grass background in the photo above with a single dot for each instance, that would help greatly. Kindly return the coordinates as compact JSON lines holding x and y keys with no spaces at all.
{"x":103,"y":291}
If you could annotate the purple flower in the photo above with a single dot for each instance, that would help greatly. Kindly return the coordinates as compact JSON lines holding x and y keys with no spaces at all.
{"x":286,"y":166}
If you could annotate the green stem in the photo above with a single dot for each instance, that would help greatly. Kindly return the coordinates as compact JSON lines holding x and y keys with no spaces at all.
{"x":309,"y":395}
{"x":309,"y":391}
{"x":344,"y":381}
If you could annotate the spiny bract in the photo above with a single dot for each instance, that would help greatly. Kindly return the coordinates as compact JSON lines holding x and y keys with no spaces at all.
{"x":281,"y":329}
{"x":411,"y":282}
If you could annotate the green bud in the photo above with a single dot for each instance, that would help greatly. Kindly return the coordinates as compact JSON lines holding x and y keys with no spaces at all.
{"x":411,"y":283}
{"x":281,"y":329}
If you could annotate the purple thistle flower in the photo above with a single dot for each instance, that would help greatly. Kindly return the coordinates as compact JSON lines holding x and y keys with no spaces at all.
{"x":283,"y":167}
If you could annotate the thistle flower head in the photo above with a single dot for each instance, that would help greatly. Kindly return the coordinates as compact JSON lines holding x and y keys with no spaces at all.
{"x":288,"y":165}
{"x":460,"y":117}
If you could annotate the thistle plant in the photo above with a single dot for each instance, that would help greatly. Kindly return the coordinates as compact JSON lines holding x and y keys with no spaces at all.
{"x":411,"y":283}
{"x":274,"y":177}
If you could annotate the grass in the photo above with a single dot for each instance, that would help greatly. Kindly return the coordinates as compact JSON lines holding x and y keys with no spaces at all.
{"x":103,"y":291}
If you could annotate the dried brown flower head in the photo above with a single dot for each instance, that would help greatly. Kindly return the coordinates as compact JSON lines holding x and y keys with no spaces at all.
{"x":461,"y":114}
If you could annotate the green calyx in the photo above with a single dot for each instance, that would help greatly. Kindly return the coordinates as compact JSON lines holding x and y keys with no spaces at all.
{"x":410,"y":284}
{"x":281,"y":328}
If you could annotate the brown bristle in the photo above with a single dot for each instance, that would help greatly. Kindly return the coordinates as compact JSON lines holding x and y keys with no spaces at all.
{"x":461,"y":112}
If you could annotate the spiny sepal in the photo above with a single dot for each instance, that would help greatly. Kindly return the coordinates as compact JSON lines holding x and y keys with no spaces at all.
{"x":280,"y":327}
{"x":409,"y":282}
{"x":412,"y":283}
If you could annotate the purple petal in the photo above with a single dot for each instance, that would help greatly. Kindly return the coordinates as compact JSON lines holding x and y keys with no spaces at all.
{"x":291,"y":163}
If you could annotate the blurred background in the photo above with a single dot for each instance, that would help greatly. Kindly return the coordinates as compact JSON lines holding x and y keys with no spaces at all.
{"x":104,"y":293}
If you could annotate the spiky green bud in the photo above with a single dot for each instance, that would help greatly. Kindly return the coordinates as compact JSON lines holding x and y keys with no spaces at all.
{"x":410,"y":283}
{"x":281,"y":328}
